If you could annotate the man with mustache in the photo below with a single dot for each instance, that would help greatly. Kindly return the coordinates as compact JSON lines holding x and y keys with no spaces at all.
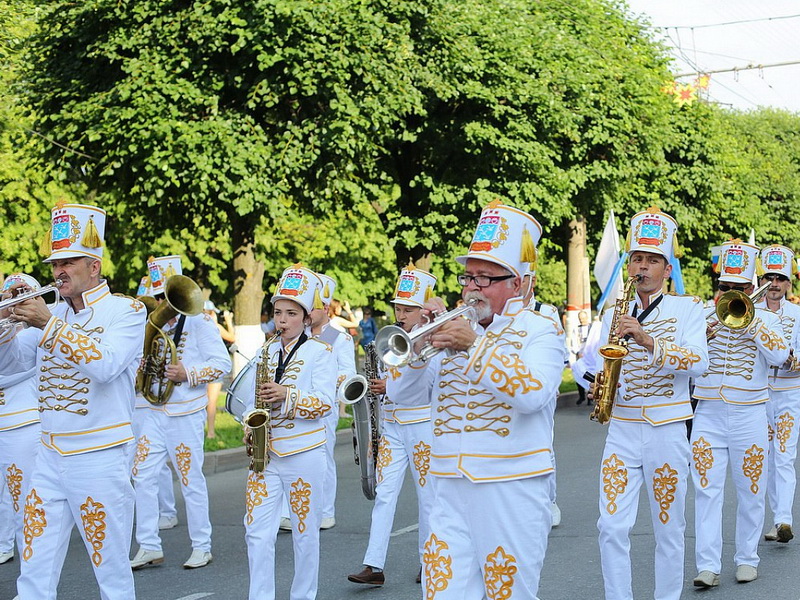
{"x":783,"y":409}
{"x":491,"y":448}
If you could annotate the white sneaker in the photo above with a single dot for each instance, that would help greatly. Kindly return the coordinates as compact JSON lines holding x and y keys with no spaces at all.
{"x":556,"y":514}
{"x":746,"y":573}
{"x":706,"y":579}
{"x":772,"y":534}
{"x":146,"y":558}
{"x":167,"y":522}
{"x":327,"y":523}
{"x":286,"y":524}
{"x":198,"y":559}
{"x":6,"y":556}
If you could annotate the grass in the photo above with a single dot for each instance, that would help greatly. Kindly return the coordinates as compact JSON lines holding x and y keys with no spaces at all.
{"x":229,"y":432}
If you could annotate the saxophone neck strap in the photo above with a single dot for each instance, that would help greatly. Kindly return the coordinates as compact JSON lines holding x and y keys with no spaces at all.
{"x":283,"y":362}
{"x":646,"y":312}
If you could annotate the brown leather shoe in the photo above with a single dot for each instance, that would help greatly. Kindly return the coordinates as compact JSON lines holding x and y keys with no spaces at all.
{"x":367,"y":577}
{"x":419,"y":576}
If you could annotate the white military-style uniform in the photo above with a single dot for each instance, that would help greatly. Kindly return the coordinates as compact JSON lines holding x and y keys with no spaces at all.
{"x":491,"y":460}
{"x":646,"y":442}
{"x":296,"y":469}
{"x":175,"y":430}
{"x":405,"y":443}
{"x":86,"y":363}
{"x":730,"y":426}
{"x":20,"y":435}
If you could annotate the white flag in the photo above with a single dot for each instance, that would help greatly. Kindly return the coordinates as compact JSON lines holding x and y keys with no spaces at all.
{"x":752,"y":242}
{"x":606,"y":259}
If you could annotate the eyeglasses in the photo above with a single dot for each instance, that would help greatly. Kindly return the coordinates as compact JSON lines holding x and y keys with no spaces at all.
{"x":480,"y":281}
{"x":775,"y":277}
{"x":724,"y":287}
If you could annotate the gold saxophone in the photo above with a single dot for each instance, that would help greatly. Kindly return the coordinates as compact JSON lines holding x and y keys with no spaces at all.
{"x":614,"y":350}
{"x":259,"y":420}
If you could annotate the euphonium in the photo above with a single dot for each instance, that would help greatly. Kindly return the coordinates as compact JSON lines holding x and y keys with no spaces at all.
{"x":613,"y":352}
{"x":259,"y":419}
{"x":181,"y":296}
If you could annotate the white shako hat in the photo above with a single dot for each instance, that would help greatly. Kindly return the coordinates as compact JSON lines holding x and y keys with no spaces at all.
{"x":505,"y":236}
{"x":328,"y":288}
{"x":738,"y":262}
{"x":300,"y":285}
{"x":414,"y":287}
{"x":145,"y":286}
{"x":778,"y":259}
{"x":653,"y":231}
{"x":22,"y":278}
{"x":161,"y":269}
{"x":75,"y":230}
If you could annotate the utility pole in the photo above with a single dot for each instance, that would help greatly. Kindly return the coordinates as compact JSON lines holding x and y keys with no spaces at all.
{"x":577,"y":274}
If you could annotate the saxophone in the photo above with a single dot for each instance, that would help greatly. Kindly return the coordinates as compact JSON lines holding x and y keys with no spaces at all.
{"x":614,"y":350}
{"x":259,"y":418}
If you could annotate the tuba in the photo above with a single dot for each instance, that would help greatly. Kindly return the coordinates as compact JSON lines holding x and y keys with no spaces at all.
{"x":259,"y":420}
{"x":612,"y":352}
{"x":366,"y":420}
{"x":181,"y":296}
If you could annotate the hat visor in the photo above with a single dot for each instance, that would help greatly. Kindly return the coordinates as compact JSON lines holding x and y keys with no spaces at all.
{"x":63,"y":255}
{"x":404,"y":302}
{"x":517,"y":270}
{"x":294,"y":299}
{"x":735,"y":279}
{"x":649,"y":250}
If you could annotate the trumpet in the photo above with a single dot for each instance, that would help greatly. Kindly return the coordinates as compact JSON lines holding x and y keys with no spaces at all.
{"x":735,"y":309}
{"x":26,"y":294}
{"x":395,"y":347}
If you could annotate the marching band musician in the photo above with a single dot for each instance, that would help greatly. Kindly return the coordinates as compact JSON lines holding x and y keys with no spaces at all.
{"x":406,"y":433}
{"x":20,"y":431}
{"x":491,"y":445}
{"x":646,"y":439}
{"x":730,"y":425}
{"x":175,"y":429}
{"x":783,"y":409}
{"x":302,"y":379}
{"x":86,"y":353}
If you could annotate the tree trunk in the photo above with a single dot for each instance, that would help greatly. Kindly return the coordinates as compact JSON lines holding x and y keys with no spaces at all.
{"x":248,"y":278}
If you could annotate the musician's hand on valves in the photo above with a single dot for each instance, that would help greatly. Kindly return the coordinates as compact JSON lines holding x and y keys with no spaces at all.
{"x":432,"y":308}
{"x":33,"y":311}
{"x":272,"y":392}
{"x":176,"y":373}
{"x":377,"y":386}
{"x":457,"y":334}
{"x":630,"y":326}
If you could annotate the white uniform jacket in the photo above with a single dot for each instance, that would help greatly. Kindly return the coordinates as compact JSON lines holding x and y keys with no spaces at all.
{"x":343,"y":349}
{"x":86,"y":364}
{"x":784,"y":379}
{"x":491,"y":406}
{"x":408,"y":395}
{"x":296,"y":425}
{"x":206,"y":360}
{"x":19,"y":404}
{"x":740,"y":360}
{"x":654,"y":387}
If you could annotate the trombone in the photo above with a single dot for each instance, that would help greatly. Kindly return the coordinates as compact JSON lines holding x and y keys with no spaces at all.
{"x":735,"y":310}
{"x":395,"y":347}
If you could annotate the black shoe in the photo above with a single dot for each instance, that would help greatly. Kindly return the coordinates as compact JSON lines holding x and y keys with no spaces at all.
{"x":579,"y":401}
{"x":419,"y":576}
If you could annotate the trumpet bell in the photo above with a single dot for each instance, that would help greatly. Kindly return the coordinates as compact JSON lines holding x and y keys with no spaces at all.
{"x":353,"y":390}
{"x":393,"y":346}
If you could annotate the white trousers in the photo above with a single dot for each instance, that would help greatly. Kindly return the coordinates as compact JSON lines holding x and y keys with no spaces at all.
{"x":166,"y":491}
{"x":18,"y":450}
{"x":300,"y":478}
{"x":329,"y":493}
{"x":180,"y":439}
{"x":783,"y":415}
{"x":401,"y":447}
{"x":92,"y":490}
{"x":487,"y":540}
{"x":737,"y":434}
{"x":658,"y":457}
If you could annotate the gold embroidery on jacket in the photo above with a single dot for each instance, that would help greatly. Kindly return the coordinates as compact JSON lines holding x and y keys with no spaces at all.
{"x":34,"y":522}
{"x":62,"y":387}
{"x":452,"y":397}
{"x":438,"y":566}
{"x":499,"y":571}
{"x":642,"y":378}
{"x":93,"y":517}
{"x":703,"y":459}
{"x":732,"y":354}
{"x":784,"y":424}
{"x":615,"y":480}
{"x":422,"y":460}
{"x":384,"y":456}
{"x":14,"y":479}
{"x":300,"y":501}
{"x":770,"y":339}
{"x":665,"y":483}
{"x":142,"y":450}
{"x":770,"y":432}
{"x":76,"y":347}
{"x":208,"y":375}
{"x":311,"y":407}
{"x":255,"y":493}
{"x":752,"y":466}
{"x":681,"y":359}
{"x":183,"y":456}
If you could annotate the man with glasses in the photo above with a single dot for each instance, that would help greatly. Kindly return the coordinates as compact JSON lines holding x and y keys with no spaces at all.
{"x":491,"y":448}
{"x":730,"y":425}
{"x":783,"y":410}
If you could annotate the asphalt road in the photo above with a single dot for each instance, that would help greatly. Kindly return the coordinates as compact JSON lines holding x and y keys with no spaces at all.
{"x":571,"y":571}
